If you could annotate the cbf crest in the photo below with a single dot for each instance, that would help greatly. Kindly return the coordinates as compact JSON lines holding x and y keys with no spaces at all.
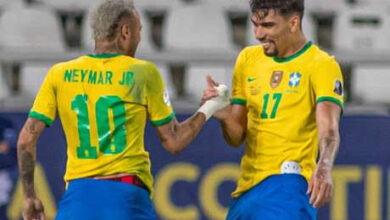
{"x":276,"y":78}
{"x":295,"y":78}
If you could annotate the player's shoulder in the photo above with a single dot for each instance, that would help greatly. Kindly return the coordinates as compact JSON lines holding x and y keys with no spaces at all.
{"x":140,"y":64}
{"x":145,"y":72}
{"x":66,"y":64}
{"x":59,"y":67}
{"x":321,"y":57}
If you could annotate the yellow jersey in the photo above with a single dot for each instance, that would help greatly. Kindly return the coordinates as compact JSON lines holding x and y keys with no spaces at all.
{"x":103,"y":102}
{"x":281,"y":97}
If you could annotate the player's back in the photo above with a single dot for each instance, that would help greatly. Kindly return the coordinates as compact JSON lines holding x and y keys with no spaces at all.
{"x":103,"y":102}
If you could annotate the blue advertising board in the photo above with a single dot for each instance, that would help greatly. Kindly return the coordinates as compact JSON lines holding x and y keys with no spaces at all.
{"x":197,"y":183}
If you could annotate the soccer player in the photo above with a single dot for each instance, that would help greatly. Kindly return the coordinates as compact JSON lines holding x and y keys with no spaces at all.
{"x":103,"y":100}
{"x":286,"y":105}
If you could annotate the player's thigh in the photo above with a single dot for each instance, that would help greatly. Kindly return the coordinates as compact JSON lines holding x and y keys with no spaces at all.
{"x":98,"y":199}
{"x":281,"y":197}
{"x":295,"y":200}
{"x":247,"y":205}
{"x":288,"y":200}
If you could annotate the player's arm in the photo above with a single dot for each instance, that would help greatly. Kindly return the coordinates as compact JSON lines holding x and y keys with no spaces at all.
{"x":327,"y":83}
{"x":26,"y":146}
{"x":321,"y":185}
{"x":233,"y":122}
{"x":176,"y":136}
{"x":233,"y":118}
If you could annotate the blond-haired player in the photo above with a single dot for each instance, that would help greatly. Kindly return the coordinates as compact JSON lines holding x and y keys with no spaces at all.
{"x":103,"y":100}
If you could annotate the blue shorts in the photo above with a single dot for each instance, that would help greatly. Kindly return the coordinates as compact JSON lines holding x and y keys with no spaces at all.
{"x":89,"y":199}
{"x":281,"y":197}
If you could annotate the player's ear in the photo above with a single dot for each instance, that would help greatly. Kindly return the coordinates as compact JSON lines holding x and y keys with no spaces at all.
{"x":125,"y":31}
{"x":295,"y":23}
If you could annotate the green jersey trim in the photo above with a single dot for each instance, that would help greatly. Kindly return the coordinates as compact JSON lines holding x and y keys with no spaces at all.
{"x":297,"y":54}
{"x":238,"y":102}
{"x":104,"y":55}
{"x":41,"y":117}
{"x":164,"y":121}
{"x":330,"y":99}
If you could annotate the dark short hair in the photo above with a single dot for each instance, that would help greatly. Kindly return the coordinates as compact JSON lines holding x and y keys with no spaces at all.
{"x":283,"y":7}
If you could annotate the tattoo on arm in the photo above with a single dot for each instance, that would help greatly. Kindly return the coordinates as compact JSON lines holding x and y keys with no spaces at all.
{"x":27,"y":153}
{"x":195,"y":126}
{"x":27,"y":172}
{"x":328,"y":117}
{"x":176,"y":136}
{"x":187,"y":130}
{"x":328,"y":149}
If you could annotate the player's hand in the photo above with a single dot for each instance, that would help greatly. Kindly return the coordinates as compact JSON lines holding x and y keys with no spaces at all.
{"x":33,"y":209}
{"x":320,"y":186}
{"x":211,"y":92}
{"x":216,"y":97}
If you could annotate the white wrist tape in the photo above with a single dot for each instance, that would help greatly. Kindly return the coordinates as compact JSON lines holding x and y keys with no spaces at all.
{"x":215,"y":104}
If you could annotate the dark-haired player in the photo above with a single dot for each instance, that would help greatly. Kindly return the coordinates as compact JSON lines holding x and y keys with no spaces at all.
{"x":287,"y":101}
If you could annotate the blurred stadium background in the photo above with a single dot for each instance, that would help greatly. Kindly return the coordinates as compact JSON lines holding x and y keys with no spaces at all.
{"x":188,"y":39}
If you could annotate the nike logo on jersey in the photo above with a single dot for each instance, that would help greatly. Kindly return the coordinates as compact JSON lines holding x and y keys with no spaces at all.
{"x":250,"y":79}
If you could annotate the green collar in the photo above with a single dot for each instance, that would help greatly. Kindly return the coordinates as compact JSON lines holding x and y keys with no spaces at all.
{"x":104,"y":55}
{"x":297,"y":54}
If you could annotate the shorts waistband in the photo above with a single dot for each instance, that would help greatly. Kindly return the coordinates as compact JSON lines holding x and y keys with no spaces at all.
{"x":130,"y":179}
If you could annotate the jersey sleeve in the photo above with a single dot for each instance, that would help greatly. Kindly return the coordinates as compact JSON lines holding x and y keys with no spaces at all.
{"x":238,"y":92}
{"x":328,"y":82}
{"x":158,"y":103}
{"x":45,"y":104}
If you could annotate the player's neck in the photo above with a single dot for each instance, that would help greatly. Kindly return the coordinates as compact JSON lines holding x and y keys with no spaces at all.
{"x":296,"y":46}
{"x":106,"y":47}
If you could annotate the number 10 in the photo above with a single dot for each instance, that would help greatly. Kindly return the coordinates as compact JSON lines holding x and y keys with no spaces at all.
{"x":109,"y":142}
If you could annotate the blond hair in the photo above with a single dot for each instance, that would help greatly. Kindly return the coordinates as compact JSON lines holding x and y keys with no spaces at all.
{"x":105,"y":17}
